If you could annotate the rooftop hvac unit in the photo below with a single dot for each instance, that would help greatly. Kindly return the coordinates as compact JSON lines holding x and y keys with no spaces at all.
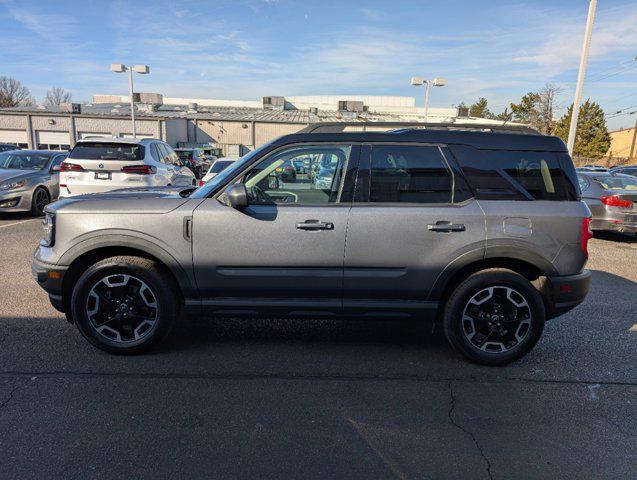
{"x":274,"y":103}
{"x":350,"y":106}
{"x":314,"y":110}
{"x":154,"y":98}
{"x":463,"y":111}
{"x":71,"y":107}
{"x":192,"y":107}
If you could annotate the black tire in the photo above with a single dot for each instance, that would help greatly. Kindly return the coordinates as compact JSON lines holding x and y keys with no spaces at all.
{"x":457,"y":328}
{"x":140,"y":271}
{"x":40,"y":199}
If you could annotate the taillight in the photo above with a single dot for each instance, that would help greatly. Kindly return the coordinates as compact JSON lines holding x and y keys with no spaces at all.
{"x":70,"y":167}
{"x":586,"y":234}
{"x":615,"y":201}
{"x":201,"y":183}
{"x":139,"y":169}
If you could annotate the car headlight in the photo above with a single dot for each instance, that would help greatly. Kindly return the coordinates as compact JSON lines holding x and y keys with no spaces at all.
{"x":13,"y":185}
{"x":48,"y":227}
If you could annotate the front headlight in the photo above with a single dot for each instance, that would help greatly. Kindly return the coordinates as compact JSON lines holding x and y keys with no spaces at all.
{"x":48,"y":227}
{"x":13,"y":185}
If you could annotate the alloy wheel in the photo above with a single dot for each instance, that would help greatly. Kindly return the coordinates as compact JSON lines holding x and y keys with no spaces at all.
{"x":496,"y":319}
{"x":41,"y":200}
{"x":122,"y":308}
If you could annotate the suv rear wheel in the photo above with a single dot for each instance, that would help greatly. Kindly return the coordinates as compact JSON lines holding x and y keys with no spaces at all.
{"x":125,"y":305}
{"x":494,"y":317}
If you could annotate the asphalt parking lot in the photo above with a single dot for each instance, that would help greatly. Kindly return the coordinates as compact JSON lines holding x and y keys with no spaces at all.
{"x":317,"y":399}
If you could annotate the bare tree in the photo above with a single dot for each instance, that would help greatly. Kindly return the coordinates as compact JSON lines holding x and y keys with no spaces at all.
{"x":546,"y":106}
{"x":13,"y":93}
{"x":57,"y":95}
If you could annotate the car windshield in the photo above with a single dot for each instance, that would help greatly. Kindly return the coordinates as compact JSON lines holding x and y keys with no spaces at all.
{"x":219,"y":179}
{"x":23,"y":161}
{"x":107,"y":151}
{"x":219,"y":165}
{"x":617,"y":182}
{"x":185,"y":154}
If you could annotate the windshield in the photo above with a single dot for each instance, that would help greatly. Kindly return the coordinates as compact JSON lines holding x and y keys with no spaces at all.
{"x":107,"y":151}
{"x":23,"y":161}
{"x":185,"y":154}
{"x":212,"y":184}
{"x":617,"y":182}
{"x":219,"y":165}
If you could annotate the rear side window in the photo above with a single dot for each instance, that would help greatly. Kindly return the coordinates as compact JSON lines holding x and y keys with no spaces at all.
{"x":515,"y":175}
{"x":410,"y":174}
{"x":107,"y":151}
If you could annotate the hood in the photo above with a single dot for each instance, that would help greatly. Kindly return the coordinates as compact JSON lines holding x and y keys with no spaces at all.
{"x":11,"y":174}
{"x":124,"y":201}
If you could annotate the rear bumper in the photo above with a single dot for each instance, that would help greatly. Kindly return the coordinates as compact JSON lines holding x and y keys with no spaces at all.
{"x":566,"y":292}
{"x":50,"y":278}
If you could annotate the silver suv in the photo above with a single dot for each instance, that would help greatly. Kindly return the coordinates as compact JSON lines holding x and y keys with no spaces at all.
{"x":482,"y":231}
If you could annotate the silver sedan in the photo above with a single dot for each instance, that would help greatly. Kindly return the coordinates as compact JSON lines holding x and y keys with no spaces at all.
{"x":29,"y":180}
{"x":612,"y":199}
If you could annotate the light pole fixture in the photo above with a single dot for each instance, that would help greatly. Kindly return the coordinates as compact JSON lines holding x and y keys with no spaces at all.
{"x":436,"y":82}
{"x":141,"y":69}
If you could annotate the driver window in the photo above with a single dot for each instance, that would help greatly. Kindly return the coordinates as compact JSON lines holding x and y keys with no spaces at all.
{"x":300,"y":175}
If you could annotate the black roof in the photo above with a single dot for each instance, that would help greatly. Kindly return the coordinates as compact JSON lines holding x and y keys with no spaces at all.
{"x":489,"y":140}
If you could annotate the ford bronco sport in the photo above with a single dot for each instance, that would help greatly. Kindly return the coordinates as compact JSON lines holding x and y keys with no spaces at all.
{"x":479,"y":229}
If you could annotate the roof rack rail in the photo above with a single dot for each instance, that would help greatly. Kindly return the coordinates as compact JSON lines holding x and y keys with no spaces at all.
{"x":337,"y":127}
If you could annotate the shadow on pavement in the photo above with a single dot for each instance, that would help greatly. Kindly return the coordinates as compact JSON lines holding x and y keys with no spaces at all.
{"x":615,"y":236}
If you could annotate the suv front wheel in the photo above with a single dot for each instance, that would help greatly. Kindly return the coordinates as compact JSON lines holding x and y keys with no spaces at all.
{"x":125,"y":305}
{"x":494,"y":317}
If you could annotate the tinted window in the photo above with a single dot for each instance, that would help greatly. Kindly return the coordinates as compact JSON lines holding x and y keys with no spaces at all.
{"x":583,"y":183}
{"x":107,"y":151}
{"x":219,"y":165}
{"x":412,"y":174}
{"x":515,"y":175}
{"x":617,"y":182}
{"x":154,"y":151}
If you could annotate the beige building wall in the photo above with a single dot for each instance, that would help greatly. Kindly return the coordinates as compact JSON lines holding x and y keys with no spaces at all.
{"x":233,"y":133}
{"x":621,"y":142}
{"x":264,"y":132}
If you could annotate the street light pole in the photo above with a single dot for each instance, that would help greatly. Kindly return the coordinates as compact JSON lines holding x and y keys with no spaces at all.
{"x":428,"y":84}
{"x":132,"y":103}
{"x":580,"y":76}
{"x":436,"y":82}
{"x":141,"y":69}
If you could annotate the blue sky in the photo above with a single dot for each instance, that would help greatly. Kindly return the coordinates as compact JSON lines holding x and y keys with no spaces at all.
{"x":247,"y":49}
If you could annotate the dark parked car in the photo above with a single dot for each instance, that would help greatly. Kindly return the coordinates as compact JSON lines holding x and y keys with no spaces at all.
{"x":7,"y":146}
{"x":483,"y":232}
{"x":626,"y":170}
{"x":194,"y":159}
{"x":612,"y":199}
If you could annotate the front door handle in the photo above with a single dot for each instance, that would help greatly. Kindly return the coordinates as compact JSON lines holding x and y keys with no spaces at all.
{"x":315,"y":225}
{"x":445,"y":226}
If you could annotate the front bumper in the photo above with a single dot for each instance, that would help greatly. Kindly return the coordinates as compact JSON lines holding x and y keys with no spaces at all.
{"x":50,"y":278}
{"x":565,"y":292}
{"x":15,"y":201}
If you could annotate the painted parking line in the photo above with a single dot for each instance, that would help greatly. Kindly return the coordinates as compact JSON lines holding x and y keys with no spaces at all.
{"x":18,"y":223}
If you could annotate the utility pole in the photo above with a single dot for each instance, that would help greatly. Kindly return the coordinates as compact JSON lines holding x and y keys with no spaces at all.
{"x":632,"y":152}
{"x":132,"y":100}
{"x":580,"y":76}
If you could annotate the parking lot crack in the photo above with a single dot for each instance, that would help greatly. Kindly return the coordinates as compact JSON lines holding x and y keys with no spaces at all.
{"x":452,"y":407}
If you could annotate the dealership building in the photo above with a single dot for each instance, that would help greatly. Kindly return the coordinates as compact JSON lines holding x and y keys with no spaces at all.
{"x":233,"y":126}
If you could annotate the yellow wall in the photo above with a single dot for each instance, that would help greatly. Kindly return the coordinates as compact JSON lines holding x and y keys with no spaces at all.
{"x":620,"y":141}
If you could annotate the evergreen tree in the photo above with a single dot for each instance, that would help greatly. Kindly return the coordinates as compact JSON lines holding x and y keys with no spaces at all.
{"x":592,"y":139}
{"x":480,"y":109}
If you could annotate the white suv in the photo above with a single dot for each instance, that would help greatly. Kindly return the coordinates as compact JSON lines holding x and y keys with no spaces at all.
{"x":98,"y":165}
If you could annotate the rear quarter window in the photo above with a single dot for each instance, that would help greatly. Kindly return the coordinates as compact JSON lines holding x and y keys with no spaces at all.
{"x":515,"y":175}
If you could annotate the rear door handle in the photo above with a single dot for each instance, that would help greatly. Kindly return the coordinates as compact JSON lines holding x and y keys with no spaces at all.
{"x":445,"y":226}
{"x":315,"y":225}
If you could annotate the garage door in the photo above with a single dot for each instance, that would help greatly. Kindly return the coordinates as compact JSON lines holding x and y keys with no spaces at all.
{"x":51,"y":137}
{"x":13,"y":136}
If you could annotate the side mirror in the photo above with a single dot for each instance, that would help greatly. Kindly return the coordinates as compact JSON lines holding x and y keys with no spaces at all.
{"x":55,"y":169}
{"x":237,"y":196}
